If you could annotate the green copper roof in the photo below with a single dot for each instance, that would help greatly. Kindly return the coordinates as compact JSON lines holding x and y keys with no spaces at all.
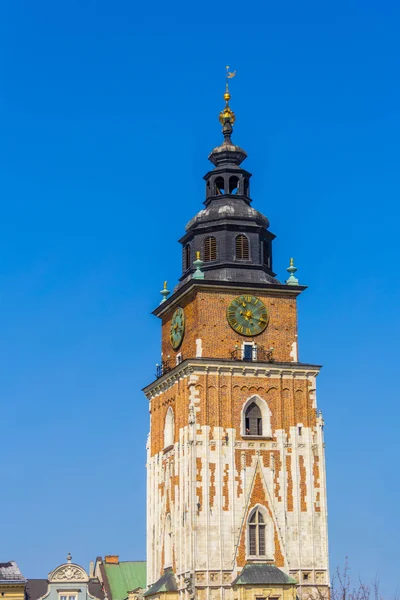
{"x":125,"y":577}
{"x":263,"y":574}
{"x":166,"y":583}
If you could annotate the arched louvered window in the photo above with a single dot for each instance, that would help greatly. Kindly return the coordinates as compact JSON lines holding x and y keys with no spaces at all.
{"x":242,"y":250}
{"x":186,"y":258}
{"x":253,"y":420}
{"x":257,"y":533}
{"x":210,"y":249}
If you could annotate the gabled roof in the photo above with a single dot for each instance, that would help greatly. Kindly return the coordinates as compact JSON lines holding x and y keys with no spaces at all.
{"x":10,"y":573}
{"x":263,"y":574}
{"x":166,"y":583}
{"x":125,"y":577}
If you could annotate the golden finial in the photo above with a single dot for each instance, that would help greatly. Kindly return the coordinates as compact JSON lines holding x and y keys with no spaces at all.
{"x":165,"y":285}
{"x":227,"y":115}
{"x":198,"y":255}
{"x":291,"y":262}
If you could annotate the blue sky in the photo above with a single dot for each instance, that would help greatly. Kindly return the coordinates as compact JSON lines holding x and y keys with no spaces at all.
{"x":108,"y":112}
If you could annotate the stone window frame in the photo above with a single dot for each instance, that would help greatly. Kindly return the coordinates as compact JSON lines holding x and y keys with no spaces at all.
{"x":169,"y":428}
{"x":269,"y":535}
{"x":265,"y":416}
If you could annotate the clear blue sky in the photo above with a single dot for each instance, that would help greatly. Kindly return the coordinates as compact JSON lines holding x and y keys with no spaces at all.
{"x":108,"y":112}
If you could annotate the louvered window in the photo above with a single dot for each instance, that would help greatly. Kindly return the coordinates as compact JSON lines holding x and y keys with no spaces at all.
{"x":257,"y":534}
{"x":210,"y":249}
{"x":253,"y":420}
{"x":242,"y":248}
{"x":186,"y":258}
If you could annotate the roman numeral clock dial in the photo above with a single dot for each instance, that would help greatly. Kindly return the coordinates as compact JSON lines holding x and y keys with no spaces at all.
{"x":177,"y":330}
{"x":247,"y":315}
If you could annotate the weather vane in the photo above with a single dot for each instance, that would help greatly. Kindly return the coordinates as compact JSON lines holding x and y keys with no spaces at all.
{"x":229,"y":75}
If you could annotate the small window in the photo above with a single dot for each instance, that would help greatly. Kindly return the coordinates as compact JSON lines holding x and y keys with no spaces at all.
{"x":257,"y":534}
{"x":66,"y":596}
{"x":246,"y":186}
{"x":253,"y":420}
{"x":186,"y":257}
{"x":210,"y":249}
{"x":242,"y":247}
{"x":248,"y":350}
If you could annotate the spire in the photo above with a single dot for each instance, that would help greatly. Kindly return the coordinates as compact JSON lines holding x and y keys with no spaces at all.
{"x":227,"y":116}
{"x":227,"y":153}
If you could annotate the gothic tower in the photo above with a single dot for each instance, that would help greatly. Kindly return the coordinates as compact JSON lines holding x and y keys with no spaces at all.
{"x":236,"y":498}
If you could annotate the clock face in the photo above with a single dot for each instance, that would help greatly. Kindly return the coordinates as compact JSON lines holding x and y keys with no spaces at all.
{"x":247,"y":315}
{"x":177,"y":328}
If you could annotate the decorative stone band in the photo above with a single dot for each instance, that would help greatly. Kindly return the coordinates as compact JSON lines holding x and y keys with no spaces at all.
{"x":201,"y":366}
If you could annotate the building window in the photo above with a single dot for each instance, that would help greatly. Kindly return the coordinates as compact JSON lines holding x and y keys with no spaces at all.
{"x":242,"y":251}
{"x":169,"y":428}
{"x":249,"y":352}
{"x":256,"y":418}
{"x":257,"y":533}
{"x":186,"y":257}
{"x":210,"y":249}
{"x":66,"y":596}
{"x":219,"y":186}
{"x":253,"y":420}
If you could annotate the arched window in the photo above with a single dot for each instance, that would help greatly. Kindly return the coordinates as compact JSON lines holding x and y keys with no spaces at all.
{"x":186,"y":257}
{"x":246,"y":186}
{"x":169,"y":428}
{"x":210,"y":249}
{"x":253,"y":420}
{"x":256,"y":526}
{"x":168,"y":542}
{"x":219,"y":186}
{"x":242,"y":251}
{"x":256,"y":417}
{"x":233,"y":184}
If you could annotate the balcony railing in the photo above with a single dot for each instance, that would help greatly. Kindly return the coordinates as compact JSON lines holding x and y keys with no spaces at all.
{"x":167,"y":365}
{"x":250,"y":353}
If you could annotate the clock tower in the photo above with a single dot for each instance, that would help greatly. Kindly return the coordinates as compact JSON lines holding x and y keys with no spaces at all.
{"x":236,"y":497}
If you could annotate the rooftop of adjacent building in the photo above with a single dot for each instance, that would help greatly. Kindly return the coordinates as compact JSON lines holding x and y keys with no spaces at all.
{"x":122,"y":577}
{"x":10,"y":573}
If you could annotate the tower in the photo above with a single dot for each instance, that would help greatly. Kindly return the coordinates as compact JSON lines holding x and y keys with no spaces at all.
{"x":236,"y":497}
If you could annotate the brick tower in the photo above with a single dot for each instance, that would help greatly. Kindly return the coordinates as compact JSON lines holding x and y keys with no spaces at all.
{"x":236,"y":498}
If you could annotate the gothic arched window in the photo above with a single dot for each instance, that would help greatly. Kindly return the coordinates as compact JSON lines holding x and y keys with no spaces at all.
{"x":242,"y":251}
{"x":169,"y":428}
{"x":256,"y":525}
{"x":186,"y":258}
{"x":210,"y":249}
{"x":253,"y":420}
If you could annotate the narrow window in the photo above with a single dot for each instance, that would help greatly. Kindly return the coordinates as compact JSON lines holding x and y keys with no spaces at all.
{"x":257,"y":534}
{"x":246,"y":187}
{"x":253,"y":420}
{"x":233,"y":184}
{"x":169,"y":428}
{"x":242,"y":247}
{"x":168,"y":542}
{"x":186,"y":259}
{"x":219,"y":186}
{"x":210,"y":249}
